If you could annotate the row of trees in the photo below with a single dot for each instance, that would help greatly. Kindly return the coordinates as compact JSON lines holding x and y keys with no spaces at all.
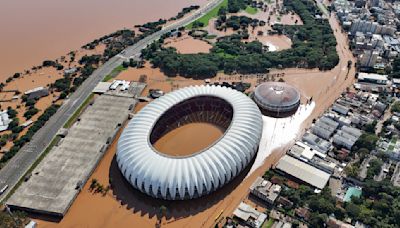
{"x":28,"y":136}
{"x":185,"y":11}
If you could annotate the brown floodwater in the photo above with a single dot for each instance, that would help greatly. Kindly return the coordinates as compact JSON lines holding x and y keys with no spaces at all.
{"x":188,"y":139}
{"x":188,"y":45}
{"x":32,"y":31}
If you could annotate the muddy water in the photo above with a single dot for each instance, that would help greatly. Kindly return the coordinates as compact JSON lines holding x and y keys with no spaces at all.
{"x":32,"y":31}
{"x":188,"y":139}
{"x":188,"y":45}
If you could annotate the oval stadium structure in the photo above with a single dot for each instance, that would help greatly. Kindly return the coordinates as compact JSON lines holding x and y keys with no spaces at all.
{"x":190,"y":176}
{"x":277,"y":99}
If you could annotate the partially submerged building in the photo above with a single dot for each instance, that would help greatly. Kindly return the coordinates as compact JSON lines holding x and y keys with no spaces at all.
{"x":37,"y":93}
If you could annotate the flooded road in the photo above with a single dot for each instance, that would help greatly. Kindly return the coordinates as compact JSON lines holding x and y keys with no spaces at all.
{"x":32,"y":31}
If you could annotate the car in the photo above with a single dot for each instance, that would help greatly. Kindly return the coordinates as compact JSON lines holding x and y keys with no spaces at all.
{"x":3,"y":189}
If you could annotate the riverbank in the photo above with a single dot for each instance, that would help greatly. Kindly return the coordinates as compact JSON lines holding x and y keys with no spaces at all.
{"x":47,"y":29}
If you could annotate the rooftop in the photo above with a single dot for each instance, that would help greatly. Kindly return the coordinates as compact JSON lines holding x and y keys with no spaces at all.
{"x":102,"y":87}
{"x":363,"y":76}
{"x":303,"y":171}
{"x":266,"y":189}
{"x":56,"y":181}
{"x":277,"y":94}
{"x":35,"y":90}
{"x":249,"y":214}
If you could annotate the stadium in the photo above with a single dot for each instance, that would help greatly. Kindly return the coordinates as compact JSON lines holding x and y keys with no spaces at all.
{"x":277,"y":99}
{"x":196,"y":174}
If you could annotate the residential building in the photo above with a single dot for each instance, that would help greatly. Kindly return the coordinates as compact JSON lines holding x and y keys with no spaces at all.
{"x":249,"y":215}
{"x":265,"y":190}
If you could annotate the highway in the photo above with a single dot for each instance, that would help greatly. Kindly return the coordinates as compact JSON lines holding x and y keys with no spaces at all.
{"x":28,"y":154}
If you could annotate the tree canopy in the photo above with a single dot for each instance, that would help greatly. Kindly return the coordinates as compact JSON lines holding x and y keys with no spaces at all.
{"x":314,"y":46}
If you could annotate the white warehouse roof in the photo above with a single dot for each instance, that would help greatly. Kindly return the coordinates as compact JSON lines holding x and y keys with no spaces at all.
{"x":171,"y":177}
{"x":378,"y":77}
{"x":303,"y":171}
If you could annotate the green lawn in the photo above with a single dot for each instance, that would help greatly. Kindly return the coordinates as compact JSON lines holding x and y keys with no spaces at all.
{"x":117,"y":70}
{"x":213,"y":13}
{"x":107,"y":78}
{"x":114,"y":73}
{"x":251,"y":10}
{"x":268,"y":224}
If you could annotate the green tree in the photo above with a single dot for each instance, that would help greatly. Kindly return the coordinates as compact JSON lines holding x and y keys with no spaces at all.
{"x":11,"y":113}
{"x":318,"y":220}
{"x":353,"y":210}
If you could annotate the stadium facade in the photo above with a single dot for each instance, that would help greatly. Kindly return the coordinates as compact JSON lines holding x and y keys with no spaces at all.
{"x":185,"y":177}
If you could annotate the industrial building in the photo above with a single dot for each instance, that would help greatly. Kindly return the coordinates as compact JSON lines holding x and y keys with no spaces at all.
{"x":372,"y":78}
{"x":303,"y":171}
{"x":324,"y":127}
{"x":277,"y":99}
{"x":346,"y":137}
{"x":317,"y":143}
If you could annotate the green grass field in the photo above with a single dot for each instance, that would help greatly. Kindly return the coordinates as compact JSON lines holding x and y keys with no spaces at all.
{"x":213,"y":13}
{"x":114,"y":73}
{"x":251,"y":10}
{"x":107,"y":78}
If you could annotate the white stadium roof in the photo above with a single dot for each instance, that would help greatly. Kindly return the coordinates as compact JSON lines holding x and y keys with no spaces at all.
{"x":176,"y":178}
